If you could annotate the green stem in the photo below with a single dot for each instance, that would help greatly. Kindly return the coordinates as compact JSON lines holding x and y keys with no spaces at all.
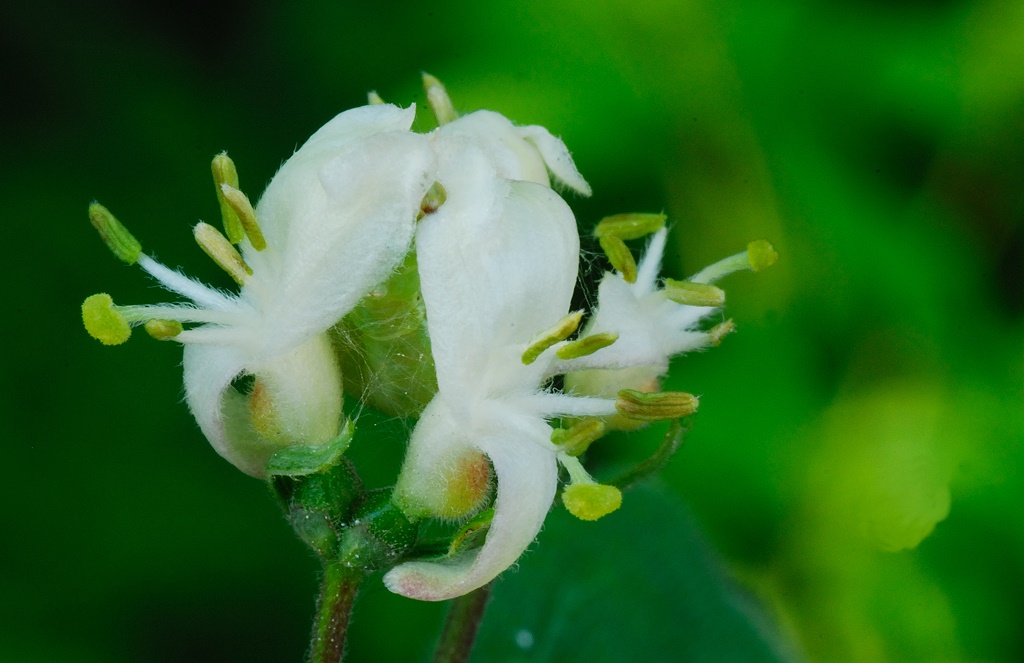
{"x":460,"y":627}
{"x":334,"y":607}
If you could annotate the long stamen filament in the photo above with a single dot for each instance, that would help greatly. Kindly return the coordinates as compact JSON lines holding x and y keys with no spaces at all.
{"x":759,"y":255}
{"x":176,"y":282}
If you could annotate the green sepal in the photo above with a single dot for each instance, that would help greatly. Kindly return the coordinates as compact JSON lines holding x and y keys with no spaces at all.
{"x":319,"y":505}
{"x":378,"y":533}
{"x":301,"y":460}
{"x":472,"y":534}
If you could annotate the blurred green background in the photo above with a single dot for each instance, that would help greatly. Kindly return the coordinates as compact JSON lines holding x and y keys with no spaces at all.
{"x":857,"y":460}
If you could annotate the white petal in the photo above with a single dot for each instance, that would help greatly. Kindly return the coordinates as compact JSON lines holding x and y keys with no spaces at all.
{"x":556,"y":156}
{"x":287,"y":190}
{"x":527,"y":480}
{"x":222,"y":414}
{"x":351,"y":224}
{"x":497,"y":265}
{"x":507,"y":152}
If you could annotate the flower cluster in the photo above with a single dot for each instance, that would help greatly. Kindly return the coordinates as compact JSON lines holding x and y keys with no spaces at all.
{"x":454,"y":245}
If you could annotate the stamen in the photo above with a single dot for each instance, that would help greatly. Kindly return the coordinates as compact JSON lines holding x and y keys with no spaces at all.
{"x":693,"y":294}
{"x":222,"y":252}
{"x":239,"y":202}
{"x":720,"y":331}
{"x":658,"y":406}
{"x":373,"y":98}
{"x":587,"y":345}
{"x":438,"y":100}
{"x":574,"y":440}
{"x":560,"y":331}
{"x":183,"y":285}
{"x":163,"y":330}
{"x":103,"y":321}
{"x":117,"y":238}
{"x":761,"y":254}
{"x":619,"y":256}
{"x":758,"y":256}
{"x":434,"y":198}
{"x":585,"y":498}
{"x":629,"y":226}
{"x":224,"y":172}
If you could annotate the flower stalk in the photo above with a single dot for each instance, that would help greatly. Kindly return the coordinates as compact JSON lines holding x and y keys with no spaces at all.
{"x":461,"y":626}
{"x":338,"y":591}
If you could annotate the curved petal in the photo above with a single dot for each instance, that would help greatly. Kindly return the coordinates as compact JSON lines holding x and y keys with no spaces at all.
{"x":220,"y":411}
{"x":557,"y":158}
{"x":497,"y":264}
{"x":287,"y":190}
{"x":527,"y":481}
{"x":353,"y":224}
{"x":505,"y":149}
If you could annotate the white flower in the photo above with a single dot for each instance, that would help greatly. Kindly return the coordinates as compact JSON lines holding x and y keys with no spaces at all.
{"x":336,"y":219}
{"x":653,"y":323}
{"x":498,"y":263}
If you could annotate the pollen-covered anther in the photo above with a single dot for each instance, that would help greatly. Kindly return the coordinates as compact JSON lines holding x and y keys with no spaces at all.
{"x":163,"y":330}
{"x":657,"y":406}
{"x":117,"y":238}
{"x":438,"y":100}
{"x":576,"y":439}
{"x":585,"y":498}
{"x":619,"y":256}
{"x":432,"y":201}
{"x":103,"y":321}
{"x":557,"y":333}
{"x":587,"y":345}
{"x":239,"y":202}
{"x":374,"y":99}
{"x":761,"y":255}
{"x":693,"y":294}
{"x":720,"y":331}
{"x":222,"y":252}
{"x":629,"y":226}
{"x":224,"y":172}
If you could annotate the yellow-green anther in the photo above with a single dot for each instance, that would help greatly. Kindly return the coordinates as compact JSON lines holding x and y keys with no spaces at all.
{"x":720,"y":331}
{"x":103,"y":321}
{"x":656,"y":406}
{"x":222,"y":252}
{"x":239,"y":202}
{"x":590,"y":501}
{"x":587,"y":345}
{"x":224,"y":172}
{"x":560,"y":331}
{"x":432,"y":200}
{"x":163,"y":330}
{"x":373,"y":98}
{"x":574,"y":440}
{"x":761,"y":254}
{"x":619,"y":256}
{"x":117,"y":238}
{"x":693,"y":294}
{"x":629,"y":226}
{"x":438,"y":100}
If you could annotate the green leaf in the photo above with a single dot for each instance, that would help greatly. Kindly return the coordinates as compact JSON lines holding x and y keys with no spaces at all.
{"x":299,"y":460}
{"x":638,"y":585}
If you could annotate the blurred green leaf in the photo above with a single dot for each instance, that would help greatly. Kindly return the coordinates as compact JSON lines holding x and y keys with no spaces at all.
{"x":639,"y":585}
